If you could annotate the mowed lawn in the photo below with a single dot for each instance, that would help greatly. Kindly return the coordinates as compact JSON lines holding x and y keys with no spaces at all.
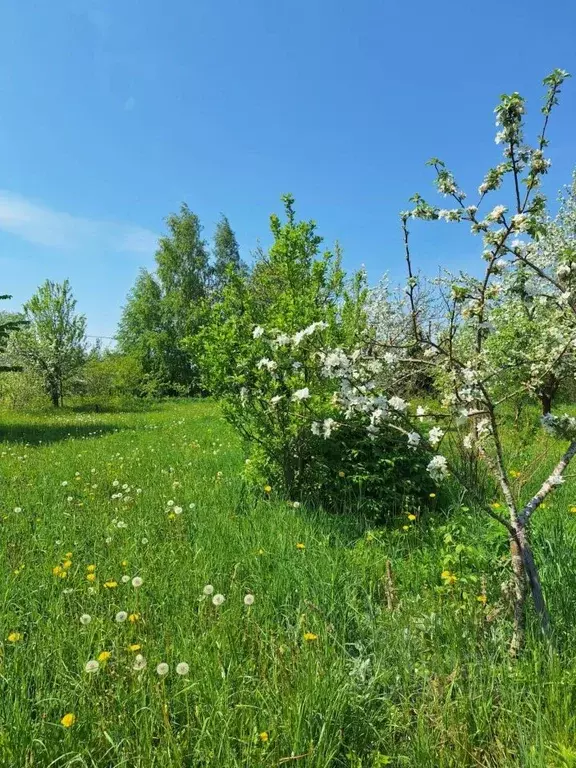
{"x":350,"y":649}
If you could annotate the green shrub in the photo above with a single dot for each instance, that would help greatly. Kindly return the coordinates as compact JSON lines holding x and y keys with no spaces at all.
{"x":261,"y":357}
{"x":22,"y":389}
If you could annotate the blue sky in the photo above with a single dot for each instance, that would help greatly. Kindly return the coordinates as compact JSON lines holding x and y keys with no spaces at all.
{"x":115,"y":111}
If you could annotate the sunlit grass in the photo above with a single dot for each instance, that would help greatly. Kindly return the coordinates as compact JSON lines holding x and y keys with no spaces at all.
{"x":334,"y":644}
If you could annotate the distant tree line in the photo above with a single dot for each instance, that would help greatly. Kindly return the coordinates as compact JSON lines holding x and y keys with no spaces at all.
{"x":46,"y":348}
{"x":168,"y":306}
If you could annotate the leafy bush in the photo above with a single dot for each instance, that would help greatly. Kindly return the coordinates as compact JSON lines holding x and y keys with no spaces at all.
{"x":111,"y":374}
{"x":22,"y":389}
{"x":260,"y":356}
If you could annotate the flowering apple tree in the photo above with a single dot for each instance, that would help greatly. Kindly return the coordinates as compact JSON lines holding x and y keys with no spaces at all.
{"x":478,"y":365}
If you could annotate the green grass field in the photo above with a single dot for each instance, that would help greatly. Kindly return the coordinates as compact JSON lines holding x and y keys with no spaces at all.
{"x":332,"y":665}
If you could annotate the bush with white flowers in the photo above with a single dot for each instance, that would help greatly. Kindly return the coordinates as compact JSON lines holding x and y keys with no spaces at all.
{"x":283,"y":353}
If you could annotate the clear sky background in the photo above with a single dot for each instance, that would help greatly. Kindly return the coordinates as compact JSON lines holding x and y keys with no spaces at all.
{"x":115,"y":111}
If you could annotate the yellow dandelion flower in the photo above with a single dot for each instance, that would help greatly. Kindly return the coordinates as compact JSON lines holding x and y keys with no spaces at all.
{"x":14,"y":637}
{"x":300,"y":545}
{"x":263,"y":737}
{"x":124,"y":563}
{"x":267,"y":488}
{"x":63,"y":574}
{"x":515,"y":473}
{"x":110,"y":584}
{"x":573,"y":510}
{"x":432,"y":495}
{"x":341,"y":474}
{"x":57,"y":570}
{"x":67,"y":564}
{"x":411,"y":517}
{"x":405,"y":527}
{"x":482,"y":599}
{"x":448,"y":577}
{"x":495,"y":505}
{"x":134,"y":647}
{"x":310,"y":637}
{"x":68,"y":555}
{"x":91,"y":576}
{"x":103,"y":656}
{"x":134,"y":617}
{"x":91,"y":568}
{"x":68,"y":720}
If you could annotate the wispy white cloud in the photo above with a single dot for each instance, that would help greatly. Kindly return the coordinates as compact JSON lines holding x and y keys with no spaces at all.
{"x":42,"y":225}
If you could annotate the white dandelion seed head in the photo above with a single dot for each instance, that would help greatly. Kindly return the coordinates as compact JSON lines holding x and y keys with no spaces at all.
{"x":137,"y":582}
{"x":182,"y":669}
{"x":248,"y":599}
{"x":121,"y":616}
{"x":92,"y":666}
{"x":139,"y":663}
{"x":162,"y":669}
{"x":177,"y":510}
{"x":208,"y":589}
{"x":85,"y":619}
{"x":218,"y":599}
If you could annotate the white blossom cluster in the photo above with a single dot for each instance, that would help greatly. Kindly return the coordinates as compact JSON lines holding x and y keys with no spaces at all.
{"x":560,"y":426}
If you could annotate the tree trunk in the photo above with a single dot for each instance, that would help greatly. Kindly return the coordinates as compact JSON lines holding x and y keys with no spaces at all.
{"x":525,"y":574}
{"x":547,"y":393}
{"x":546,"y":401}
{"x":519,"y":595}
{"x":55,"y":397}
{"x":536,"y":588}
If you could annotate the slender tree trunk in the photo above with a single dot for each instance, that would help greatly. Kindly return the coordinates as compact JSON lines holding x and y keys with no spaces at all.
{"x":548,"y":393}
{"x":519,"y":595}
{"x":536,"y":587}
{"x":526,"y":576}
{"x":55,"y":397}
{"x":546,"y":401}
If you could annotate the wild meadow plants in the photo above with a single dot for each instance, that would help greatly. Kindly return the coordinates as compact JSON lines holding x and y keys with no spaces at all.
{"x":157,"y":612}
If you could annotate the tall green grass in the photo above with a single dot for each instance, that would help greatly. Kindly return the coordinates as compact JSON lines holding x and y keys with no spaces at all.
{"x":333,"y":665}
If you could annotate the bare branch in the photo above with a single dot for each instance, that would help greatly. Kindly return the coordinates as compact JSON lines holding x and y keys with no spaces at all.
{"x":548,"y":485}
